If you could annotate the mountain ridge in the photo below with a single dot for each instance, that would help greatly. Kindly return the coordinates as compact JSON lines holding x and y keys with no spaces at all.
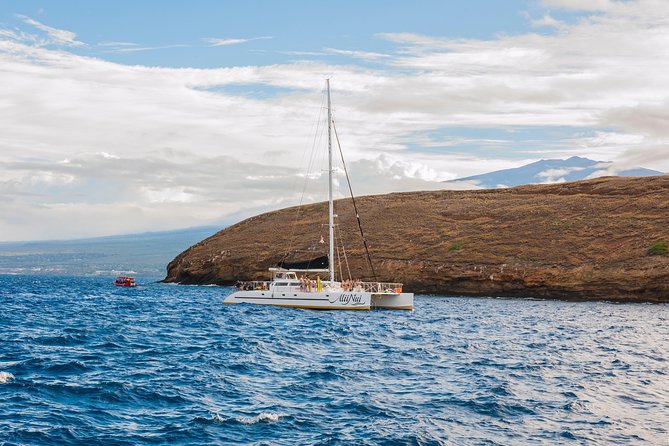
{"x":546,"y":171}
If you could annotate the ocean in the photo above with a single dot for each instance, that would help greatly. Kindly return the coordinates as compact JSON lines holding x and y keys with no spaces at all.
{"x":84,"y":362}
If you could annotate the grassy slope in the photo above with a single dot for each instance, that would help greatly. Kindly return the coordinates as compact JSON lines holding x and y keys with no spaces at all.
{"x":586,"y":239}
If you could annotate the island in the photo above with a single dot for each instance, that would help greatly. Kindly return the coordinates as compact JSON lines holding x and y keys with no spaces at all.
{"x":599,"y":239}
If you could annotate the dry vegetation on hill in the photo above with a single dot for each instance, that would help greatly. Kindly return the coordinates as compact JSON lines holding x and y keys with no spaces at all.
{"x":581,"y":240}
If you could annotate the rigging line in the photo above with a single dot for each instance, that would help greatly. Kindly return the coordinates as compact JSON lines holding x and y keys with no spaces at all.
{"x":355,"y":207}
{"x":343,"y":248}
{"x":316,"y":124}
{"x":341,"y":278}
{"x":291,"y":239}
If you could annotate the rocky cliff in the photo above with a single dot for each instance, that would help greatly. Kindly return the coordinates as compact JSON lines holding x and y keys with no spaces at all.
{"x":581,"y":240}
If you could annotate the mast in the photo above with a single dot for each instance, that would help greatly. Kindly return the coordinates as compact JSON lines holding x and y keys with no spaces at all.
{"x":330,"y":200}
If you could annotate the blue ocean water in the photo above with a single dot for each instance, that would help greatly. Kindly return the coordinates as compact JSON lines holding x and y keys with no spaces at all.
{"x":84,"y":362}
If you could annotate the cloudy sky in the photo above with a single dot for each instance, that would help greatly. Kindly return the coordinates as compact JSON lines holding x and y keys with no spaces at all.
{"x":118,"y":117}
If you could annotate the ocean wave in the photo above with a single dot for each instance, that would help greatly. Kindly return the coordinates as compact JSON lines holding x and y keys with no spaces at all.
{"x":263,"y":417}
{"x":60,"y":340}
{"x":31,"y":365}
{"x":67,"y":367}
{"x":5,"y":377}
{"x":576,"y":406}
{"x":181,"y":368}
{"x":164,"y":397}
{"x":109,"y":392}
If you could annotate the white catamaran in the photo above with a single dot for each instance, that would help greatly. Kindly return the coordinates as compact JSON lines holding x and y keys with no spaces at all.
{"x":287,"y":290}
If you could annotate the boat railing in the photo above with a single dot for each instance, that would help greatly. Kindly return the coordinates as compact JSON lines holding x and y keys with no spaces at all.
{"x":371,"y":287}
{"x":253,"y":285}
{"x":382,"y":287}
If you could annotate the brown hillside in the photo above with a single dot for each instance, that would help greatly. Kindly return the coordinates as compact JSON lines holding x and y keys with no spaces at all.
{"x":581,"y":240}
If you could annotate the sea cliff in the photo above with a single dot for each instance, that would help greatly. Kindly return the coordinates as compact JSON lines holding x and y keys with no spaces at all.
{"x":585,"y":240}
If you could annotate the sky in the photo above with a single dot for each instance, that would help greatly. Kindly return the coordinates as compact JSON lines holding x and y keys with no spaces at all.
{"x":120,"y":117}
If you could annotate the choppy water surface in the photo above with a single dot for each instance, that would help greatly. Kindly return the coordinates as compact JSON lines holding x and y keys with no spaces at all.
{"x":84,"y":362}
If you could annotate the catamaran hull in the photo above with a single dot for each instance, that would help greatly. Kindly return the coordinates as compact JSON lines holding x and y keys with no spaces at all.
{"x":401,"y":301}
{"x":326,"y":300}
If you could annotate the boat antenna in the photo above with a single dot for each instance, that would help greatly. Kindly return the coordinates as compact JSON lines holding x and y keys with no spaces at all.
{"x":330,"y":200}
{"x":355,"y":207}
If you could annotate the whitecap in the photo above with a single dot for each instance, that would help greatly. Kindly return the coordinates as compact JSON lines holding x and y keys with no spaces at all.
{"x":5,"y":377}
{"x":265,"y":417}
{"x":218,"y":419}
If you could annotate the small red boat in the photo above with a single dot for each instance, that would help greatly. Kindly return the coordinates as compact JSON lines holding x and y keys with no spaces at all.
{"x":125,"y":281}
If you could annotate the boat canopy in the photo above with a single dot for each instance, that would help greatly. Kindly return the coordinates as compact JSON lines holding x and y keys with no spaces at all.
{"x":319,"y":263}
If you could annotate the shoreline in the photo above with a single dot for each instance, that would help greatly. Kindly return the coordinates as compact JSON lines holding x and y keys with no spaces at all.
{"x":569,"y":297}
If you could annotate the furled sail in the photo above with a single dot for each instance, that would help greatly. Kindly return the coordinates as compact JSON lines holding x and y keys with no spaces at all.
{"x":317,"y":263}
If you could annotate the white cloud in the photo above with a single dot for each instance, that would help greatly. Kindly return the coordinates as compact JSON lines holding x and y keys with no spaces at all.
{"x":213,"y":41}
{"x":304,"y":53}
{"x":170,"y":190}
{"x":55,"y":35}
{"x":650,"y":119}
{"x":172,"y":147}
{"x":550,"y":22}
{"x":117,"y":44}
{"x":600,"y":173}
{"x":587,"y":5}
{"x":135,"y":49}
{"x":557,"y":175}
{"x":364,"y":55}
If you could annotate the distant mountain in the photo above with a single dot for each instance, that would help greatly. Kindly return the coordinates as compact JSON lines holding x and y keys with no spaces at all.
{"x":143,"y":254}
{"x":549,"y":171}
